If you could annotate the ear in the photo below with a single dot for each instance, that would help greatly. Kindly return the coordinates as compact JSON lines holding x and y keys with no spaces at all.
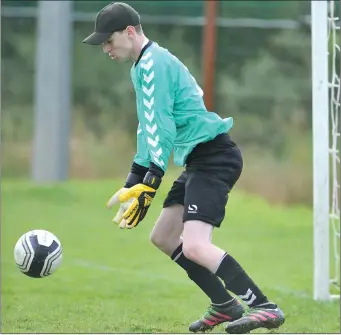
{"x":131,"y":31}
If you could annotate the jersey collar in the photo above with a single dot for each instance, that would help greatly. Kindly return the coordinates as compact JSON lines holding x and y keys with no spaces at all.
{"x":146,"y":44}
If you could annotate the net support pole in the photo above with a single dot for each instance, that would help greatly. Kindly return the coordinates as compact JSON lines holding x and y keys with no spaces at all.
{"x":50,"y":159}
{"x":319,"y":41}
{"x":209,"y":52}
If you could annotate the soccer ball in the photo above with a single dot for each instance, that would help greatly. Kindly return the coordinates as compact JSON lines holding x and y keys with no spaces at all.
{"x":38,"y":253}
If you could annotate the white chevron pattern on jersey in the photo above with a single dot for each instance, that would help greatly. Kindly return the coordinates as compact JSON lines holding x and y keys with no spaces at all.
{"x":150,"y":116}
{"x":139,"y":130}
{"x":147,"y":66}
{"x":146,"y":56}
{"x":148,"y":103}
{"x":148,"y":78}
{"x":148,"y":88}
{"x":149,"y":91}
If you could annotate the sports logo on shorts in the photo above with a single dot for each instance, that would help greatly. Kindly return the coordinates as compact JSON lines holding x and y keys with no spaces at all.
{"x":192,"y":209}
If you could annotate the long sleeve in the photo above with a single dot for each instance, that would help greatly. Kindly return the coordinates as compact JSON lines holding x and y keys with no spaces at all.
{"x":155,"y":95}
{"x":142,"y":156}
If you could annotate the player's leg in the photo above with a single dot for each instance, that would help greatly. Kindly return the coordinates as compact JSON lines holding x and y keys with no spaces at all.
{"x":198,"y":247}
{"x":205,"y":202}
{"x":166,"y":235}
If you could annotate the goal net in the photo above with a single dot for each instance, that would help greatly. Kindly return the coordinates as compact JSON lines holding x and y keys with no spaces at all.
{"x":325,"y":33}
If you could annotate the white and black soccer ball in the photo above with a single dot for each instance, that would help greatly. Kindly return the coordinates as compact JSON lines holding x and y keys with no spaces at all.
{"x":38,"y":253}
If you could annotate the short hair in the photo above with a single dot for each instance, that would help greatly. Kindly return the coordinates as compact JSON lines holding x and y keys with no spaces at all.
{"x":138,"y":29}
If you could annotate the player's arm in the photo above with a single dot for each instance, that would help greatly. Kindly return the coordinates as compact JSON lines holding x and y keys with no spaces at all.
{"x":142,"y":156}
{"x":155,"y":98}
{"x":141,"y":161}
{"x":139,"y":168}
{"x":156,"y":101}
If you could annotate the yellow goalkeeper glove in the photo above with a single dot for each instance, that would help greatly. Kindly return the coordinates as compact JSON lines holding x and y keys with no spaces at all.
{"x":118,"y":219}
{"x":135,"y":201}
{"x":142,"y":197}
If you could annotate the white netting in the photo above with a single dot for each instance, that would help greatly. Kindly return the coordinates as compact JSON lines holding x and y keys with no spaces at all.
{"x":334,"y":107}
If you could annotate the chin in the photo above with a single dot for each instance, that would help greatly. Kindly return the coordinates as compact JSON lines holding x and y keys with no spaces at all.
{"x":121,"y":60}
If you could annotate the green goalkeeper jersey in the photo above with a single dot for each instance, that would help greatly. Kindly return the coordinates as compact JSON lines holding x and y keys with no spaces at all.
{"x":170,"y":108}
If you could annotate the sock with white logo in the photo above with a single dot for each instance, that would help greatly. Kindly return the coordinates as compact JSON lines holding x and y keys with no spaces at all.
{"x":237,"y":281}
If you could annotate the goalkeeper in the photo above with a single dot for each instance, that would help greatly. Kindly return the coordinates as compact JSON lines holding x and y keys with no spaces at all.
{"x":173,"y":118}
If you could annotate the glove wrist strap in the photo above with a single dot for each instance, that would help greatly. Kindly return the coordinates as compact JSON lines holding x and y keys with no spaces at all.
{"x":132,"y":179}
{"x":139,"y":170}
{"x":152,"y":180}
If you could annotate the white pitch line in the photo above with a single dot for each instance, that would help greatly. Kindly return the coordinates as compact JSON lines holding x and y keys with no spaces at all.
{"x":155,"y":276}
{"x":139,"y":273}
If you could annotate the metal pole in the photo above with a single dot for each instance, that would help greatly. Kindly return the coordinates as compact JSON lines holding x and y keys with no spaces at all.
{"x":209,"y":52}
{"x":340,"y":116}
{"x":50,"y":161}
{"x":319,"y":41}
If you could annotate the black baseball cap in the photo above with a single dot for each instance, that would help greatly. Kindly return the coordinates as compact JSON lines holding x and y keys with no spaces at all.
{"x":116,"y":16}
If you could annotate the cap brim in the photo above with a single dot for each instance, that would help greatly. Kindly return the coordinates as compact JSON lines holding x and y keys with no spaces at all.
{"x":97,"y":38}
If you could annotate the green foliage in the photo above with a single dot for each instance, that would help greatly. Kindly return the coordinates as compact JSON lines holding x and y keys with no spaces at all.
{"x":233,"y":9}
{"x":264,"y":9}
{"x":101,"y":90}
{"x":17,"y":77}
{"x":271,"y":96}
{"x":18,"y":62}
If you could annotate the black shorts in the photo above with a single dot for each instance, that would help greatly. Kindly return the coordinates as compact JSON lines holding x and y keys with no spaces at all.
{"x":210,"y":173}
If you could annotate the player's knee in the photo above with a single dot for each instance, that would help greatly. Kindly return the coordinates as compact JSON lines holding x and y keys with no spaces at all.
{"x":157,"y":239}
{"x":192,"y":250}
{"x":166,"y":243}
{"x":162,"y":242}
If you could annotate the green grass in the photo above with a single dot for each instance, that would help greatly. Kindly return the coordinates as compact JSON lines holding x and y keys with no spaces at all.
{"x":115,"y":281}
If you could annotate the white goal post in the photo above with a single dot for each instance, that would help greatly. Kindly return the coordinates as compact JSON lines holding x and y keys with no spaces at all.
{"x":325,"y":40}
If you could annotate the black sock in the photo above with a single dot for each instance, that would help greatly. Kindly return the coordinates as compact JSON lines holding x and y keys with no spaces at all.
{"x":237,"y":281}
{"x":209,"y":283}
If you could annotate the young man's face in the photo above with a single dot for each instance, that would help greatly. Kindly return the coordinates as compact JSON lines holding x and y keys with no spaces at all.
{"x":120,"y":45}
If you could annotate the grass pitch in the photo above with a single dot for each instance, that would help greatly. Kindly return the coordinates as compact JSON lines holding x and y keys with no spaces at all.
{"x":115,"y":281}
